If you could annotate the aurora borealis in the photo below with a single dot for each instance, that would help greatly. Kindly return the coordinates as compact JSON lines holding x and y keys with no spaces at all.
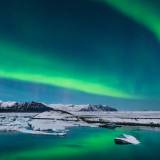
{"x":144,"y":12}
{"x":105,"y":48}
{"x":80,"y":52}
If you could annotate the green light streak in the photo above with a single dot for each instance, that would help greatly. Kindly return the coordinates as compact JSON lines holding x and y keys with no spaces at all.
{"x":109,"y":68}
{"x":17,"y":63}
{"x":141,"y":11}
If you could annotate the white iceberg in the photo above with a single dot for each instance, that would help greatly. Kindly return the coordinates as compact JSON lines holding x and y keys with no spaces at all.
{"x":127,"y":139}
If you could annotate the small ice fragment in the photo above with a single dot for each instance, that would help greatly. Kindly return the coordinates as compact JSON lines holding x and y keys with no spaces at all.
{"x":128,"y":139}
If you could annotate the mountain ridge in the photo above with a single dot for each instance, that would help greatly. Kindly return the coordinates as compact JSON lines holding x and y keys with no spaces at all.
{"x":33,"y":106}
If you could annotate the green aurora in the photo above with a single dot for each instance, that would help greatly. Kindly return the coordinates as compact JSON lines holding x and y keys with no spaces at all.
{"x":22,"y":66}
{"x":92,"y":57}
{"x":145,"y":12}
{"x":101,"y":47}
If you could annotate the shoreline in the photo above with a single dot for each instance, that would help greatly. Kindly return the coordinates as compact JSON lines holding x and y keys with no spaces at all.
{"x":60,"y":122}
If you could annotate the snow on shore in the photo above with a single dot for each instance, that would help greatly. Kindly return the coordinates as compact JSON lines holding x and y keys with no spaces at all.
{"x":59,"y":123}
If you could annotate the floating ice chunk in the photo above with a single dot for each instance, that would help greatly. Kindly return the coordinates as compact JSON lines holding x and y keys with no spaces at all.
{"x":41,"y":132}
{"x":127,"y":140}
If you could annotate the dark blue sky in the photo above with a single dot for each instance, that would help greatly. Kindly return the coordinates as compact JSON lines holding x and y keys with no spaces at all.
{"x":84,"y":51}
{"x":11,"y":90}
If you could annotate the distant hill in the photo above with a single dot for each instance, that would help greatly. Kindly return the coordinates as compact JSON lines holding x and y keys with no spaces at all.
{"x":93,"y":107}
{"x":82,"y":107}
{"x":41,"y":107}
{"x":23,"y":107}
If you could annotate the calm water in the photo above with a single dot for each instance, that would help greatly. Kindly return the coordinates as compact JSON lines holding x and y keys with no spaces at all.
{"x":80,"y":143}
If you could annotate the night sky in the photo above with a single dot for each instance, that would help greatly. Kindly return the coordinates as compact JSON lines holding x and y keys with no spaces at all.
{"x":84,"y":51}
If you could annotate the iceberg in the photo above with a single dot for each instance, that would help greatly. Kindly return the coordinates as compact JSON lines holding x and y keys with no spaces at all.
{"x":127,"y":139}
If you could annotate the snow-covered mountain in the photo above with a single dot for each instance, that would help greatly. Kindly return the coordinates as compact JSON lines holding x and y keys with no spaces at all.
{"x":57,"y":119}
{"x":23,"y":107}
{"x":41,"y":107}
{"x":82,"y":107}
{"x":91,"y":108}
{"x":7,"y":104}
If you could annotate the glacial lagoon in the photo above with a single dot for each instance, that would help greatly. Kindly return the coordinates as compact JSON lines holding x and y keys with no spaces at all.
{"x":80,"y":143}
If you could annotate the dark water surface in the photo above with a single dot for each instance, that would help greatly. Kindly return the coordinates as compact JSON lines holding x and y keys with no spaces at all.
{"x":80,"y":143}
